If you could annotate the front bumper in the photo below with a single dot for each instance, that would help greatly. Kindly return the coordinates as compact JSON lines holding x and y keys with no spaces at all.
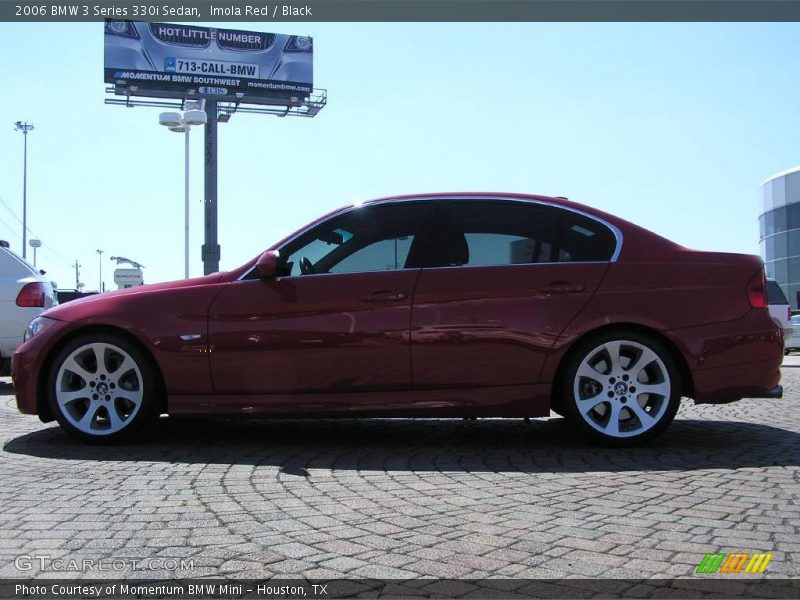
{"x":27,"y":368}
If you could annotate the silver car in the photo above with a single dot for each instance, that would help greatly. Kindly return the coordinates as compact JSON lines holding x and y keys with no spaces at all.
{"x":793,"y":341}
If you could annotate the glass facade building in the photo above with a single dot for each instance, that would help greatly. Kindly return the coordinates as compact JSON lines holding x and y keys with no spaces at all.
{"x":779,"y":237}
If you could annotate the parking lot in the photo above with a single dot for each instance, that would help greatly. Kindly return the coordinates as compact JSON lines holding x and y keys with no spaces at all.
{"x":398,"y":499}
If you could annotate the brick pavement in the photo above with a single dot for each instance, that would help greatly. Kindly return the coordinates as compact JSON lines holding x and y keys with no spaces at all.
{"x":404,"y":499}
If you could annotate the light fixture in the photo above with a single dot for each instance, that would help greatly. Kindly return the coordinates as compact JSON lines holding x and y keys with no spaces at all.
{"x":181,"y":122}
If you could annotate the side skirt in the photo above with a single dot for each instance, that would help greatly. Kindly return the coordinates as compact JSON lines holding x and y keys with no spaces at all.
{"x":504,"y":401}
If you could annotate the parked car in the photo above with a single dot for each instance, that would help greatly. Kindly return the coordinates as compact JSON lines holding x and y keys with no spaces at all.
{"x":780,"y":310}
{"x":24,"y":295}
{"x":793,"y":341}
{"x":70,"y":295}
{"x":478,"y":305}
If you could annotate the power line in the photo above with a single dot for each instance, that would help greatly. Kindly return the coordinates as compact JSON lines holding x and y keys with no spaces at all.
{"x":10,"y":229}
{"x":45,"y":247}
{"x":13,"y":214}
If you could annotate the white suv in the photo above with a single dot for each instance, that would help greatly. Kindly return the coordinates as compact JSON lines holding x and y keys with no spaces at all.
{"x":780,"y":311}
{"x":24,"y":295}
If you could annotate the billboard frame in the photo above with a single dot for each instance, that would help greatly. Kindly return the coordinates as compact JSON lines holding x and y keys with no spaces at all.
{"x":291,"y":106}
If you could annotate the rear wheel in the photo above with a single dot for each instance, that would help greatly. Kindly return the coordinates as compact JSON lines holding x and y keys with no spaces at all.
{"x":102,"y":388}
{"x":622,"y":388}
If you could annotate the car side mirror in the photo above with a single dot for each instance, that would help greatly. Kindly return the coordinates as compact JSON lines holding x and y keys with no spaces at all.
{"x":267,"y":264}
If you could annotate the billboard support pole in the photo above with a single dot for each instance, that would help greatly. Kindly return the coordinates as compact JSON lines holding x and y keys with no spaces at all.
{"x":211,"y":250}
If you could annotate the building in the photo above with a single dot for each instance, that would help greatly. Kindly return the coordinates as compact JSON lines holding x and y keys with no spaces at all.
{"x":779,"y":224}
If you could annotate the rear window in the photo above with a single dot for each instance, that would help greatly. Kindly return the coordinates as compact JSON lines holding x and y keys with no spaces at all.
{"x":775,"y":293}
{"x":584,"y":239}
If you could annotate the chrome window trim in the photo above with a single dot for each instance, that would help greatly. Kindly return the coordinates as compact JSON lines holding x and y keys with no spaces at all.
{"x":378,"y":202}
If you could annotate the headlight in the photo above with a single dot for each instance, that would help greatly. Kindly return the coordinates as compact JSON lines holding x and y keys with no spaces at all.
{"x":37,"y":326}
{"x":124,"y":28}
{"x":299,"y":43}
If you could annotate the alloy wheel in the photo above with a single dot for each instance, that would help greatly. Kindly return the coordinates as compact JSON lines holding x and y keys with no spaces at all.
{"x":622,"y":389}
{"x":99,"y":388}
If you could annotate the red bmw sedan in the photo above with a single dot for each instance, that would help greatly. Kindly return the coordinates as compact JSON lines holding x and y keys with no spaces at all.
{"x":446,"y":305}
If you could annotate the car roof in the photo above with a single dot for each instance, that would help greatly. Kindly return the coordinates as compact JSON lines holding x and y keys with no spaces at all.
{"x":488,"y":196}
{"x":561,"y":201}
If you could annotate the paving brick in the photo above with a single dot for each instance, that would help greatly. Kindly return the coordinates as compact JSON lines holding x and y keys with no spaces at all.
{"x":412,"y":499}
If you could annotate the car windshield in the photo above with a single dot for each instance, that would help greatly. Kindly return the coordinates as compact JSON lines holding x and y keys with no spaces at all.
{"x":796,"y":320}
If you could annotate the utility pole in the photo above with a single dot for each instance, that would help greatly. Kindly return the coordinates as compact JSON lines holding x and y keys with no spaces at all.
{"x":24,"y":128}
{"x":77,"y":274}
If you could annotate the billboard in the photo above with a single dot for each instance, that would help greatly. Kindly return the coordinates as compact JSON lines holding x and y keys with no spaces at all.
{"x":164,"y":60}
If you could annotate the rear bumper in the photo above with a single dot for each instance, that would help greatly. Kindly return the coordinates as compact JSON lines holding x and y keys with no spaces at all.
{"x":776,"y":392}
{"x":734,"y":360}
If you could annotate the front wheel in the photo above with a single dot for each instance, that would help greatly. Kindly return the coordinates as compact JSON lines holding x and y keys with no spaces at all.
{"x":102,"y":388}
{"x":622,"y":388}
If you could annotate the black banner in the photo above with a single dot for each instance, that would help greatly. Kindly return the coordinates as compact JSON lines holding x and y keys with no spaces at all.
{"x":403,"y":10}
{"x":715,"y":586}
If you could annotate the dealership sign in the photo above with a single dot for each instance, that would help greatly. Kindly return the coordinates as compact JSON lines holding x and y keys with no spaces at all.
{"x":167,"y":60}
{"x":125,"y":278}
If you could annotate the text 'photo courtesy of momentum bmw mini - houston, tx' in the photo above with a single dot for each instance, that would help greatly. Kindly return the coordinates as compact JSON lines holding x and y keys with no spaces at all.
{"x":447,"y":305}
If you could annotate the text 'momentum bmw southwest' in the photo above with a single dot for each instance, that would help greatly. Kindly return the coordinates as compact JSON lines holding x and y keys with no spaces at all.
{"x":445,"y":305}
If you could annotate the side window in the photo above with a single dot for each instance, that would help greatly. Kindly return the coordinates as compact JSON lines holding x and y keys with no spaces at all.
{"x":582,"y":239}
{"x":372,"y":238}
{"x":477,"y":233}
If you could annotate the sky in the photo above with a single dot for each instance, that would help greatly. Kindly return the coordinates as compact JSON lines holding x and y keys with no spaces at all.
{"x":671,"y":126}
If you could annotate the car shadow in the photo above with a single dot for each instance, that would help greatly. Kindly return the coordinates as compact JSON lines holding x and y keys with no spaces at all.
{"x":295,"y":446}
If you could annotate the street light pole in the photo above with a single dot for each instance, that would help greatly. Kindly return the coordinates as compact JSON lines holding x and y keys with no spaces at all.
{"x":24,"y":128}
{"x":182,"y":123}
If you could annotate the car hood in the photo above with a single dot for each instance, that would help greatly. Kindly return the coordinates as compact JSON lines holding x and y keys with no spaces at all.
{"x":79,"y":308}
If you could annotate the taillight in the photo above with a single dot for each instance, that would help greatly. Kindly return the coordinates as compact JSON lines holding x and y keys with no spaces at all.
{"x":32,"y":295}
{"x":789,"y":313}
{"x":757,"y":290}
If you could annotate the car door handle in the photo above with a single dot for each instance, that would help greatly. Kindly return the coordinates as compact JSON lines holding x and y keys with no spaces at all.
{"x":384,"y":296}
{"x":561,"y":287}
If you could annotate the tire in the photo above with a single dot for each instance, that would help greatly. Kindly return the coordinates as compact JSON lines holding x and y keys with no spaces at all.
{"x":102,"y":403}
{"x":602,"y":388}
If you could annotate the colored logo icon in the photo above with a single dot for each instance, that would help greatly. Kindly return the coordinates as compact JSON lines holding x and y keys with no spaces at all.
{"x":170,"y":64}
{"x":741,"y":562}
